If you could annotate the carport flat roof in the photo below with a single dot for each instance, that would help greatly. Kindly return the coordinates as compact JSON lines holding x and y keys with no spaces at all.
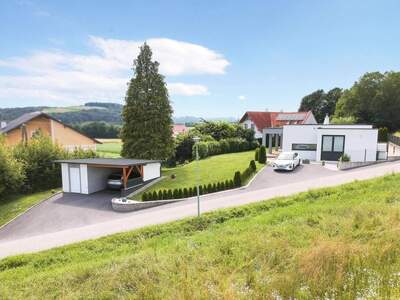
{"x":122,"y":162}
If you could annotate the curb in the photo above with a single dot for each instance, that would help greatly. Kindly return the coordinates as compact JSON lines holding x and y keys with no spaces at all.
{"x":28,"y":209}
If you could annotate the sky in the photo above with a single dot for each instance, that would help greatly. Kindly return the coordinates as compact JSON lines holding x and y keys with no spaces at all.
{"x":219,"y":58}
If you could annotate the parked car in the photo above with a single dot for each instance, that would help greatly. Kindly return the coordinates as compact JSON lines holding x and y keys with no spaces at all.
{"x":287,"y":161}
{"x":115,"y":181}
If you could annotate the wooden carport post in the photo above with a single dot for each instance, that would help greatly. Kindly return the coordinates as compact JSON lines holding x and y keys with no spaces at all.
{"x":126,"y":171}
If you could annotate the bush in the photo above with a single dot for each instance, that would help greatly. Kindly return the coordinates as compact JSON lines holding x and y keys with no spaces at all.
{"x":201,"y":190}
{"x":209,"y":188}
{"x":222,"y":186}
{"x":344,"y":158}
{"x":144,"y":196}
{"x":175,"y":194}
{"x":155,"y":196}
{"x":237,"y":180}
{"x":185,"y":193}
{"x":160,"y":195}
{"x":180,"y":194}
{"x":170,"y":195}
{"x":383,"y":134}
{"x":256,"y":154}
{"x":253,"y":165}
{"x":165,"y":194}
{"x":262,"y":155}
{"x":214,"y":187}
{"x":11,"y":171}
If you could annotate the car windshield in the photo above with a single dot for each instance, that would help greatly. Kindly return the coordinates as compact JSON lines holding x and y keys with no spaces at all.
{"x":285,"y":156}
{"x":115,"y":176}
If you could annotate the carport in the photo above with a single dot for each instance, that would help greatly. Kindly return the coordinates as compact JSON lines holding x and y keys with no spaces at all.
{"x":87,"y":176}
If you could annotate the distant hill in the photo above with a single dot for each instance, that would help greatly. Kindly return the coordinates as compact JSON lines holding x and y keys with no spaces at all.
{"x":89,"y":112}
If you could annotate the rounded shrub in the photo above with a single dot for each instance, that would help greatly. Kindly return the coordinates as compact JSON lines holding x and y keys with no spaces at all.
{"x":214,"y":187}
{"x":209,"y":188}
{"x":144,"y":196}
{"x":180,"y":193}
{"x":185,"y":193}
{"x":262,"y":156}
{"x":222,"y":184}
{"x":165,"y":194}
{"x":256,"y":154}
{"x":170,"y":195}
{"x":237,"y":180}
{"x":155,"y":195}
{"x":201,"y":190}
{"x":160,"y":195}
{"x":190,"y":192}
{"x":219,"y":186}
{"x":175,"y":194}
{"x":231,"y":184}
{"x":253,"y":166}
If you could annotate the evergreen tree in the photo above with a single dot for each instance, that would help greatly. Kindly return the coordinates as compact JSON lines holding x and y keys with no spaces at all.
{"x":147,"y":114}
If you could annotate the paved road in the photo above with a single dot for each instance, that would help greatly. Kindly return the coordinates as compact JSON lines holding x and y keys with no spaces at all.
{"x":69,"y":211}
{"x":277,"y":186}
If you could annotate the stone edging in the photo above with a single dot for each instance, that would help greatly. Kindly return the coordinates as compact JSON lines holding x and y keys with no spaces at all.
{"x":28,"y":209}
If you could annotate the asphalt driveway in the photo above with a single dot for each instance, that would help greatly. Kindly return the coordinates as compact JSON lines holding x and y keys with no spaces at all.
{"x":74,"y":221}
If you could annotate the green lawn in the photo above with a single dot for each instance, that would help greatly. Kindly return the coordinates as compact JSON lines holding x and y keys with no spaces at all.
{"x":212,"y":169}
{"x":109,"y":148}
{"x":332,"y":243}
{"x":14,"y":205}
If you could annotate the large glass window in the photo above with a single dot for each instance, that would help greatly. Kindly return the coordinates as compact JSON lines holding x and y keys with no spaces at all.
{"x":304,"y":147}
{"x":338,"y":144}
{"x":327,"y":143}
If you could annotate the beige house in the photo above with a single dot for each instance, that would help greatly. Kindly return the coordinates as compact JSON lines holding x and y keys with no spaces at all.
{"x":24,"y":127}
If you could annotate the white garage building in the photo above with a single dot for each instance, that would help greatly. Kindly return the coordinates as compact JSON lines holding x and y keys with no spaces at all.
{"x":87,"y":176}
{"x":330,"y":142}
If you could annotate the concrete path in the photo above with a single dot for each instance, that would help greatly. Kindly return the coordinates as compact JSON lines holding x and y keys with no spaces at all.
{"x":175,"y":211}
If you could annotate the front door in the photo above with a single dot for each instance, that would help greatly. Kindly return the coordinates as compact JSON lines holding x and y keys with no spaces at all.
{"x":332,"y":147}
{"x":75,"y":179}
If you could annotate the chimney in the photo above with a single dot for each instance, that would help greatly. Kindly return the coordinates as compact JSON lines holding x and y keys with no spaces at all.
{"x":3,"y":124}
{"x":326,"y":120}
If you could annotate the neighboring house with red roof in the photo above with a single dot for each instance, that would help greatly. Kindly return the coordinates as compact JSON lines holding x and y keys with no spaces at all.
{"x":179,"y":128}
{"x":268,"y":125}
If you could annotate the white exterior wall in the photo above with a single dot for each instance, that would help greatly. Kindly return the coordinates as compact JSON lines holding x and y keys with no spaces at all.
{"x":298,"y":134}
{"x":97,"y":178}
{"x":65,"y":177}
{"x":393,"y":149}
{"x":360,"y":144}
{"x":84,"y":179}
{"x":151,"y":171}
{"x":248,"y":123}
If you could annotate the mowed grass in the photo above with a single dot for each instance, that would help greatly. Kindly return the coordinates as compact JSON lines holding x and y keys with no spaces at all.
{"x":209,"y":170}
{"x":332,"y":243}
{"x":12,"y":206}
{"x":110,"y":148}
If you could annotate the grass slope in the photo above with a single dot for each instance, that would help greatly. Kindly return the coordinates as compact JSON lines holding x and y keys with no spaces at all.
{"x":110,"y":148}
{"x":212,"y":169}
{"x":333,"y":243}
{"x":16,"y":204}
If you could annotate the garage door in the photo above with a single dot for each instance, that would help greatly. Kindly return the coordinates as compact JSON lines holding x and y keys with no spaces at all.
{"x":75,"y":179}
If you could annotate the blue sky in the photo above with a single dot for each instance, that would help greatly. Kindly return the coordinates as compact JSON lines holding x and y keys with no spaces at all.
{"x":220,"y":58}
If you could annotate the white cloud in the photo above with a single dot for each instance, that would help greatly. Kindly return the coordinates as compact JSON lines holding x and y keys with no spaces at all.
{"x":242,"y":97}
{"x":102,"y":75}
{"x":187,"y":89}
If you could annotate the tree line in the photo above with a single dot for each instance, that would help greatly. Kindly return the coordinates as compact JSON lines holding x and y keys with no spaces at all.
{"x":373,"y":99}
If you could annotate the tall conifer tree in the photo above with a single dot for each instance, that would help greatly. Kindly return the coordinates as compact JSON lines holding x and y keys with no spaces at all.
{"x":147,"y":113}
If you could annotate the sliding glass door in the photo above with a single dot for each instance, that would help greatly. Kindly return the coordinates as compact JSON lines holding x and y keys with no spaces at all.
{"x":332,"y":147}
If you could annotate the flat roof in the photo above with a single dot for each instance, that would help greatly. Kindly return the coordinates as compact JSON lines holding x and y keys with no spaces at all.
{"x":120,"y":162}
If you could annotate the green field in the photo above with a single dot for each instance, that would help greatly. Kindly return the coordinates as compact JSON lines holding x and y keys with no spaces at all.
{"x":332,"y":243}
{"x":12,"y":206}
{"x":109,"y":148}
{"x":212,"y":169}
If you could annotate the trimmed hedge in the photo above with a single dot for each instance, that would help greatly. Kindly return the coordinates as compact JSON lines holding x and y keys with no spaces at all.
{"x":237,"y":181}
{"x":223,"y":146}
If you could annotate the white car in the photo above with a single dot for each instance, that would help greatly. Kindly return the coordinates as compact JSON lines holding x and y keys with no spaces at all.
{"x":287,"y":161}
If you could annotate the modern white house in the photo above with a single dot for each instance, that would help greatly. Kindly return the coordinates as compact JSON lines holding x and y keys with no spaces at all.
{"x":268,"y":125}
{"x":87,"y":176}
{"x":330,"y":142}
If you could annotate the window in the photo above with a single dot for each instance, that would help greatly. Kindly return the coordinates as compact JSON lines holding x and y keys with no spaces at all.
{"x":338,"y":144}
{"x":304,"y":147}
{"x":327,"y":143}
{"x":245,"y":126}
{"x":252,"y":126}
